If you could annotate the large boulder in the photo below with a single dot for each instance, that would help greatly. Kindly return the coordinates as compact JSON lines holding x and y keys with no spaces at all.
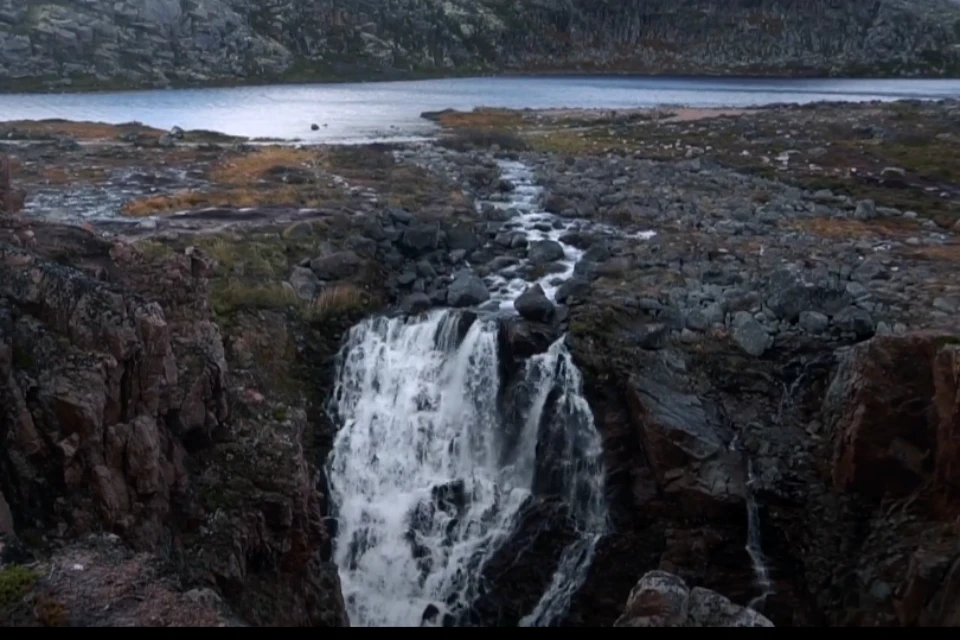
{"x":467,"y":290}
{"x":545,"y":252}
{"x":662,"y":599}
{"x":533,"y":304}
{"x":879,"y":415}
{"x":791,"y":291}
{"x":686,"y":448}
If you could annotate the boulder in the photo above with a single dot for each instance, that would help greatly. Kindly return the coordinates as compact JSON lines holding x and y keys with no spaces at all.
{"x":337,"y":266}
{"x":879,"y":416}
{"x":791,"y":291}
{"x":662,"y":599}
{"x":685,"y":445}
{"x":534,"y":305}
{"x":304,"y":282}
{"x":520,"y":339}
{"x":420,"y":239}
{"x":467,"y":290}
{"x":545,"y":252}
{"x":416,"y":303}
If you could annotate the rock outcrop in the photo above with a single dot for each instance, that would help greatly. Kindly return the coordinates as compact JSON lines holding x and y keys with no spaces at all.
{"x":661,"y":599}
{"x":157,"y":42}
{"x":119,"y":412}
{"x":11,"y":198}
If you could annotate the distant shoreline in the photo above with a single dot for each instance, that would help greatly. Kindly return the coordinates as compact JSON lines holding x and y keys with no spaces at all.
{"x":10,"y":86}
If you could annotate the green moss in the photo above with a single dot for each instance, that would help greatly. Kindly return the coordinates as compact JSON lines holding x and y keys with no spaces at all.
{"x":15,"y":582}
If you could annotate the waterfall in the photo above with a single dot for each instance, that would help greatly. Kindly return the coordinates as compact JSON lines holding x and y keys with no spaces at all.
{"x":426,"y":488}
{"x":754,"y":550}
{"x":426,"y":481}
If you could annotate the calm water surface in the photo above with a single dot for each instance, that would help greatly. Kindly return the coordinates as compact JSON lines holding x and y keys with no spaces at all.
{"x":362,"y":111}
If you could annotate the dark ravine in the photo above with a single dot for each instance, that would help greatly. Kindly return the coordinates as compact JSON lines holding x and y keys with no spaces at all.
{"x":163,"y":416}
{"x":155,"y":43}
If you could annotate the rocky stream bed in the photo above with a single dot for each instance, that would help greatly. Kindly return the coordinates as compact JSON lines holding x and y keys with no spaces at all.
{"x":770,"y":363}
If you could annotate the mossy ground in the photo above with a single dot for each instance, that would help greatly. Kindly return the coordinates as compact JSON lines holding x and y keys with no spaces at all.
{"x":841,"y":147}
{"x":16,"y":582}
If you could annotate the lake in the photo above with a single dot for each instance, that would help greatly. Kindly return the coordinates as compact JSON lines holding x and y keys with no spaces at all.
{"x":358,"y":112}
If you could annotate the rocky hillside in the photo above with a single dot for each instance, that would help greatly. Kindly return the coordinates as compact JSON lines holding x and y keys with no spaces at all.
{"x":103,"y":43}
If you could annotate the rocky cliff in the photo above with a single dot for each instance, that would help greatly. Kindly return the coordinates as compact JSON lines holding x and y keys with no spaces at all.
{"x":127,"y":413}
{"x":91,"y":43}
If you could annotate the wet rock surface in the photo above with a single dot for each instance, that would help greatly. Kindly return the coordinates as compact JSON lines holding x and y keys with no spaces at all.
{"x":664,"y":600}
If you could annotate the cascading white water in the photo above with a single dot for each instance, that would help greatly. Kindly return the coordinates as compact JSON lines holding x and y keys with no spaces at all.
{"x":582,"y":478}
{"x":418,"y":414}
{"x":419,"y":419}
{"x":754,"y":550}
{"x":425,"y":483}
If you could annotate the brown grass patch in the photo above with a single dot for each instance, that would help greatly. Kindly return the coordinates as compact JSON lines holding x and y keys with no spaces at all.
{"x":80,"y":130}
{"x":337,"y":299}
{"x":187,"y":200}
{"x":480,"y":118}
{"x":254,"y":166}
{"x":839,"y":228}
{"x":61,"y":176}
{"x":942,"y":253}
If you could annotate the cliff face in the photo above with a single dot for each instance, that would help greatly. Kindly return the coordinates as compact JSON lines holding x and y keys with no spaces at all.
{"x":161,"y":42}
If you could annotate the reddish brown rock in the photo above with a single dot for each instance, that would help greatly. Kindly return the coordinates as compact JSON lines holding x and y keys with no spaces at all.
{"x":11,"y":199}
{"x":947,"y":386}
{"x":879,"y":414}
{"x":114,"y":396}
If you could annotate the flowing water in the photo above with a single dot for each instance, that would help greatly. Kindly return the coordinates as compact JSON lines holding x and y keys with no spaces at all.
{"x":427,"y":481}
{"x":753,"y":547}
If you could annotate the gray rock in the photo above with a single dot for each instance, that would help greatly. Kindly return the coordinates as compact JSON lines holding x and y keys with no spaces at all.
{"x":946,"y":305}
{"x":870,"y":269}
{"x":572,"y":288}
{"x":814,"y":322}
{"x":467,"y":290}
{"x":400,"y":216}
{"x":653,"y":336}
{"x":545,"y":251}
{"x":857,"y":321}
{"x":462,"y":238}
{"x":792,"y":291}
{"x":752,"y":338}
{"x":337,"y":266}
{"x":420,"y":239}
{"x":534,"y":305}
{"x":661,"y":599}
{"x":866,"y":210}
{"x":304,"y":283}
{"x":416,"y":303}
